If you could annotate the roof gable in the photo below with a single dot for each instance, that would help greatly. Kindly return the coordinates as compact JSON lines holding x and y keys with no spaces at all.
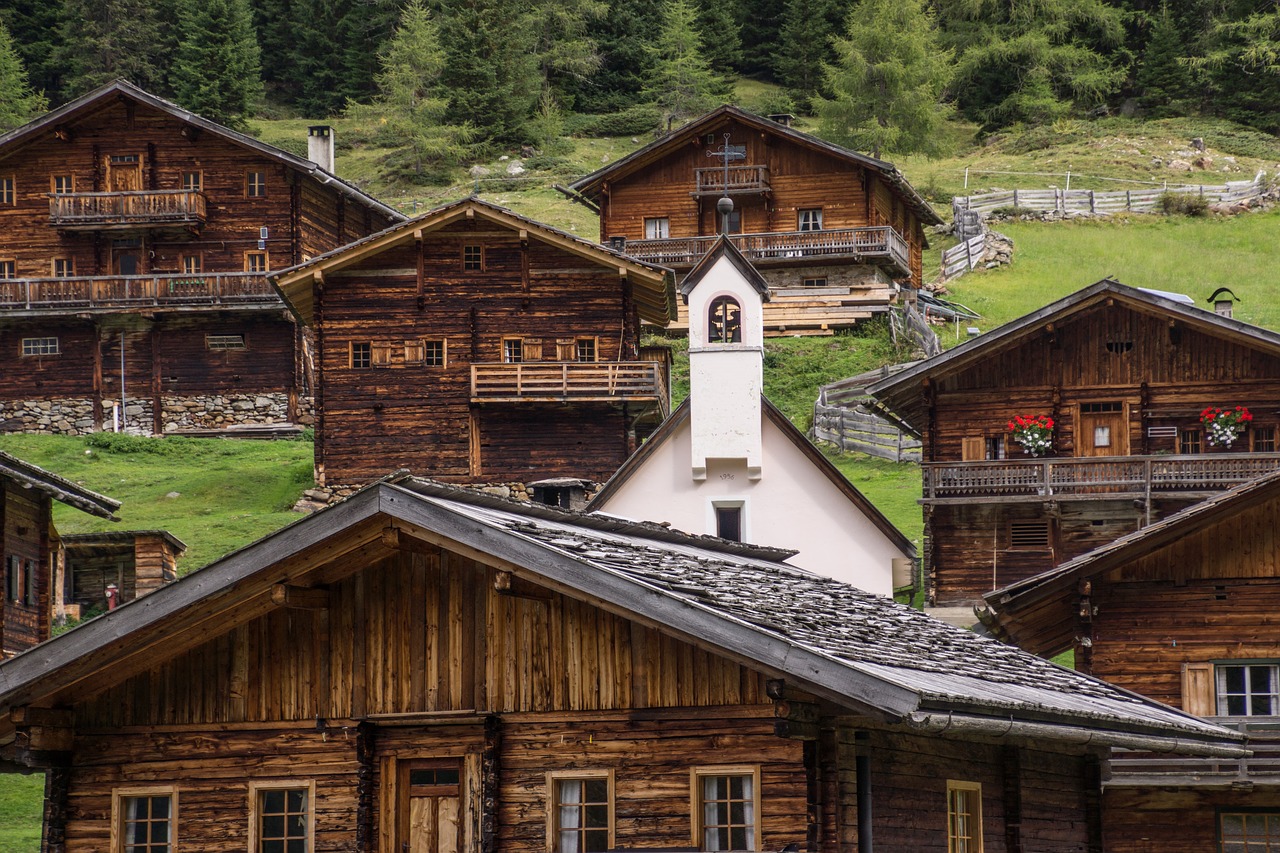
{"x":723,"y":248}
{"x":653,"y":285}
{"x":28,"y":476}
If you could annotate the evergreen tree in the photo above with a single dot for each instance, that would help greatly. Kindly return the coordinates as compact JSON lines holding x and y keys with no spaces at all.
{"x":34,"y":26}
{"x":887,"y":82}
{"x":562,"y":42}
{"x":216,"y":71}
{"x":682,"y":84}
{"x":364,"y":33}
{"x":18,"y":103}
{"x":623,"y":36}
{"x":409,"y":110}
{"x":759,"y":24}
{"x":721,"y":37}
{"x":805,"y":45}
{"x":1242,"y":63}
{"x":1162,"y":78}
{"x":490,"y":72}
{"x":105,"y":39}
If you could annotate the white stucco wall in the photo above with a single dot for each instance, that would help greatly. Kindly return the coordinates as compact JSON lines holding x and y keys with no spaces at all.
{"x":794,"y":506}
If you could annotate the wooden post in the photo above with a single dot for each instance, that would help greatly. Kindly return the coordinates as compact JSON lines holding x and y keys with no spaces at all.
{"x":1012,"y":760}
{"x":366,"y":788}
{"x":57,"y":785}
{"x":491,"y":778}
{"x":157,"y":413}
{"x":97,"y":375}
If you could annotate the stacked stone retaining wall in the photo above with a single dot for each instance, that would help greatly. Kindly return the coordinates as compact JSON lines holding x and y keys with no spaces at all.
{"x":215,"y":411}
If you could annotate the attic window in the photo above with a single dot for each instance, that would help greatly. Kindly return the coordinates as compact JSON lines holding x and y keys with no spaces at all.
{"x":473,"y":258}
{"x":1119,"y":347}
{"x":1029,"y":535}
{"x":1100,"y":408}
{"x":224,"y":341}
{"x":724,"y":325}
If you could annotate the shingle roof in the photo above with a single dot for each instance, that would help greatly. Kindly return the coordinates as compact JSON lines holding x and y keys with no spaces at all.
{"x":30,"y":476}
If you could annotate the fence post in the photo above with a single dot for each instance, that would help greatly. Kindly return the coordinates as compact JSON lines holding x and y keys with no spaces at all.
{"x":1015,"y":198}
{"x":1128,"y":200}
{"x":1092,"y":207}
{"x":840,"y":432}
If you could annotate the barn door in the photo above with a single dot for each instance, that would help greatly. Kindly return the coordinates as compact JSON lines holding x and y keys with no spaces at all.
{"x":1103,"y":430}
{"x":124,"y":173}
{"x":430,"y":806}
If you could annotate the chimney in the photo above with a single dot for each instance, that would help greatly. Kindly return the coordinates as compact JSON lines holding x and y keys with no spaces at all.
{"x":320,"y":146}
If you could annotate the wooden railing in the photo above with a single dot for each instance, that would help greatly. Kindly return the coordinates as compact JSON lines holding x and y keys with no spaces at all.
{"x":122,"y":291}
{"x":1137,"y":476}
{"x":179,"y":207}
{"x":742,"y":179}
{"x":880,"y":242}
{"x":1128,"y":768}
{"x":569,"y":380}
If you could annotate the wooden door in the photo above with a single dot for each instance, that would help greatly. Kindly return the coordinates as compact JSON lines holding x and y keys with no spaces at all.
{"x":1102,"y":430}
{"x":126,"y":257}
{"x":124,"y":173}
{"x":430,"y":806}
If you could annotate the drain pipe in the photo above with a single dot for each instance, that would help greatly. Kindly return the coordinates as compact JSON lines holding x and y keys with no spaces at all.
{"x":862,"y":766}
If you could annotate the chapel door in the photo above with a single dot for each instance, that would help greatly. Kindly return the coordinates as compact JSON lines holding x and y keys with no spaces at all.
{"x":124,"y":173}
{"x":430,"y":806}
{"x":1102,"y":430}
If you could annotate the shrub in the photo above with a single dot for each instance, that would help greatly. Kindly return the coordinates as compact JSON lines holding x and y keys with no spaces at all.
{"x":1010,"y":212}
{"x":639,"y":119}
{"x":1184,"y":204}
{"x":120,"y":442}
{"x":546,"y":163}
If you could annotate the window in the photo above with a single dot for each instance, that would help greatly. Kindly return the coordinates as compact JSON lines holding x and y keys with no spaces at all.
{"x":192,"y":264}
{"x":361,"y":354}
{"x":1119,"y":347}
{"x":434,"y":353}
{"x":1029,"y":535}
{"x":64,"y":267}
{"x":8,"y":268}
{"x":1248,"y":690}
{"x":224,"y":342}
{"x":1264,"y":438}
{"x":145,"y":820}
{"x":8,"y":195}
{"x":809,"y":219}
{"x":993,"y":447}
{"x":255,"y":262}
{"x":512,"y":350}
{"x":62,"y":184}
{"x":724,"y":325}
{"x":815,"y":282}
{"x":473,"y":258}
{"x":13,"y":579}
{"x":727,"y":800}
{"x":255,"y":184}
{"x":1189,"y":440}
{"x":40,"y":346}
{"x":735,"y":222}
{"x":581,"y":817}
{"x":657,"y":228}
{"x":729,"y":520}
{"x":193,"y":181}
{"x":1249,"y":832}
{"x":280,"y":818}
{"x":29,"y":594}
{"x":586,"y":349}
{"x":964,"y":817}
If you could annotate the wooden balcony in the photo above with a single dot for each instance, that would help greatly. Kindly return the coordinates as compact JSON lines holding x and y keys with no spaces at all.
{"x":571,"y":382}
{"x":742,"y":180}
{"x":58,"y":295}
{"x":1133,"y":477}
{"x":881,"y":245}
{"x":1128,"y":768}
{"x":122,"y":211}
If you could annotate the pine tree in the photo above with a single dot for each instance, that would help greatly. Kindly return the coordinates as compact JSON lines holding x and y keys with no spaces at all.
{"x":105,"y":39}
{"x":35,"y":27}
{"x":562,"y":42}
{"x":490,"y":72}
{"x":759,"y":26}
{"x":1162,"y":78}
{"x":409,"y":110}
{"x":721,"y":37}
{"x":623,"y":36}
{"x":888,"y":79}
{"x":18,"y":103}
{"x":1243,"y":66}
{"x":216,"y":70}
{"x":682,"y":84}
{"x":805,"y":45}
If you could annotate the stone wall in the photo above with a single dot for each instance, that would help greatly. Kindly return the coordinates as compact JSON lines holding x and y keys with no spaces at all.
{"x":222,"y":410}
{"x":48,"y":417}
{"x":836,"y":276}
{"x":75,"y":416}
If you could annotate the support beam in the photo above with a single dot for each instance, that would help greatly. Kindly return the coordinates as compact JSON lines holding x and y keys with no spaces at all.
{"x":299,"y":597}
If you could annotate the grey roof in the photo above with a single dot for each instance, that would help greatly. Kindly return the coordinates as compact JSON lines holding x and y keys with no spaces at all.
{"x":30,"y":476}
{"x":124,"y":88}
{"x":864,"y":652}
{"x":723,"y":247}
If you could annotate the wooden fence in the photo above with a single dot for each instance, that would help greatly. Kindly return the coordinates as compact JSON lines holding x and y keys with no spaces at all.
{"x":839,"y":417}
{"x":960,"y":259}
{"x":1094,"y":201}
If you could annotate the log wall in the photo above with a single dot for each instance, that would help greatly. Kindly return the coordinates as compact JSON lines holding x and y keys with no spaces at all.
{"x":1158,"y":820}
{"x":25,"y":522}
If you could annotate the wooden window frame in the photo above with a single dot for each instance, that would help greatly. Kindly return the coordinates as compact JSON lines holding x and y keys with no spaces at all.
{"x":118,"y":798}
{"x":697,"y":774}
{"x":199,"y":184}
{"x":9,"y":190}
{"x":554,"y":778}
{"x":473,"y":258}
{"x":53,"y":184}
{"x":506,"y":353}
{"x":665,"y":228}
{"x":8,"y":269}
{"x":30,"y":571}
{"x":814,"y":282}
{"x":427,"y":359}
{"x":813,"y":214}
{"x":198,"y":258}
{"x":1259,"y":436}
{"x":13,"y":578}
{"x":266,"y":261}
{"x":38,"y":347}
{"x":70,"y":264}
{"x":225,"y":343}
{"x":1245,"y":841}
{"x":1190,"y":437}
{"x":257,"y":788}
{"x":594,"y":343}
{"x":972,"y":843}
{"x":1220,"y":696}
{"x":362,"y":360}
{"x":255,"y":188}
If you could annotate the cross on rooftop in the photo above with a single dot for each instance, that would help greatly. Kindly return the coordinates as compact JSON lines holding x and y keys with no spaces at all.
{"x":725,"y":204}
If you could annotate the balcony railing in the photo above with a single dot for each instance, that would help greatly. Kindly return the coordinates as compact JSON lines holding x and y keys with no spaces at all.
{"x":1141,"y":769}
{"x":879,"y":243}
{"x":1122,"y":476}
{"x":742,"y":179}
{"x":125,"y":291}
{"x":570,"y":381}
{"x":127,"y":209}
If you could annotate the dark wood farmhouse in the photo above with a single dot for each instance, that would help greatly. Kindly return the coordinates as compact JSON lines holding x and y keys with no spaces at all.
{"x":103,"y":570}
{"x":477,"y":345}
{"x":1125,"y":376}
{"x":135,"y":239}
{"x":835,"y":233}
{"x":1182,"y":611}
{"x":31,"y":548}
{"x":425,"y":669}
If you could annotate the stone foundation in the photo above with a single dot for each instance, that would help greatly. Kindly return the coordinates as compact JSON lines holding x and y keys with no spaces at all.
{"x":75,"y":416}
{"x":321,"y":496}
{"x":223,"y":410}
{"x":47,"y":417}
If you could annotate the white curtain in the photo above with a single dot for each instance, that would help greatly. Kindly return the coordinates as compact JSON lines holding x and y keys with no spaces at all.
{"x":570,"y":813}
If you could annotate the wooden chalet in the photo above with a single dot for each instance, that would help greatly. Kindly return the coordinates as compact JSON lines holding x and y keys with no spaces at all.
{"x":477,"y":345}
{"x":31,"y":547}
{"x":1182,"y":611}
{"x":422,"y":668}
{"x":135,"y":240}
{"x":835,"y":233}
{"x":103,"y":570}
{"x":1125,"y":375}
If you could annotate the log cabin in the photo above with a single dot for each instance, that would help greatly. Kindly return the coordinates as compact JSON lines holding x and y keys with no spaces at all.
{"x":31,"y":547}
{"x":1125,"y":375}
{"x":728,"y":463}
{"x":135,"y":238}
{"x":836,"y":233}
{"x":104,"y":570}
{"x":426,"y":668}
{"x":1181,"y":611}
{"x":476,"y":345}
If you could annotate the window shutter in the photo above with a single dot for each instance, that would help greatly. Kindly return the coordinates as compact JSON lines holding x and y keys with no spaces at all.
{"x":533,"y":349}
{"x":566,"y":349}
{"x":1197,"y":689}
{"x":972,"y":448}
{"x":381,"y":355}
{"x":415,"y":352}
